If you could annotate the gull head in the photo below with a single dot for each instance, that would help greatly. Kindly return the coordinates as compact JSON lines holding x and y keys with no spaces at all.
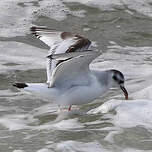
{"x":118,"y":81}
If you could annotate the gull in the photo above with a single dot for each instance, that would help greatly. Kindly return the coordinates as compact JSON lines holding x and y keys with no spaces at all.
{"x":70,"y":81}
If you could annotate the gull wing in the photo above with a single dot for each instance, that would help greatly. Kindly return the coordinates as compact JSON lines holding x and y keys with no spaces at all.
{"x":74,"y":70}
{"x":59,"y":42}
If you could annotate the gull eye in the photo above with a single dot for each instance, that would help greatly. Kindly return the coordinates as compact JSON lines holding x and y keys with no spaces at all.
{"x":115,"y":78}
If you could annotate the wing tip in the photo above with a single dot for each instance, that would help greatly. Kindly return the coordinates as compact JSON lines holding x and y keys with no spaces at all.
{"x":33,"y":28}
{"x":38,"y":28}
{"x":20,"y":85}
{"x":50,"y":56}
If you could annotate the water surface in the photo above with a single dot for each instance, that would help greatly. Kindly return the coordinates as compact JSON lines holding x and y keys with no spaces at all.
{"x":122,"y":31}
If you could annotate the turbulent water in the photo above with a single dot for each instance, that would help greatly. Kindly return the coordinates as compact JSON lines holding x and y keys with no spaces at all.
{"x":122,"y":30}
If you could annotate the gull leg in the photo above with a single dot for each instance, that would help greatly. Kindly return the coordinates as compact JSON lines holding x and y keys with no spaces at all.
{"x":62,"y":108}
{"x":69,"y":109}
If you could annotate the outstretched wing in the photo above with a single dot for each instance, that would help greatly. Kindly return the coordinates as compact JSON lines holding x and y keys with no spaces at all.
{"x":74,"y":70}
{"x":59,"y":42}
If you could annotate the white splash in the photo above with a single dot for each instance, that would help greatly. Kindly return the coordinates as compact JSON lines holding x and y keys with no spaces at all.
{"x":106,"y":107}
{"x":129,"y":113}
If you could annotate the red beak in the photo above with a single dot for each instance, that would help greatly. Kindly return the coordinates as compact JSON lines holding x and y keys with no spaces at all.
{"x":124,"y":91}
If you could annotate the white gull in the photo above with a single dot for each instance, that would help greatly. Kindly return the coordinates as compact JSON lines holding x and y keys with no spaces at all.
{"x":69,"y":78}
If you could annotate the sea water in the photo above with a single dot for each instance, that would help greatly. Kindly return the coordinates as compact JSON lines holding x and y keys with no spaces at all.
{"x":121,"y":29}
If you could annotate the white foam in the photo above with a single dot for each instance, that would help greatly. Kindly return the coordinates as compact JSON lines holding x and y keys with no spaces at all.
{"x":24,"y":121}
{"x":22,"y":55}
{"x":135,"y":150}
{"x":112,"y":133}
{"x":72,"y":146}
{"x":61,"y":125}
{"x":141,"y":6}
{"x":7,"y":93}
{"x":143,"y":94}
{"x":44,"y":110}
{"x":106,"y":107}
{"x":17,"y":121}
{"x":13,"y":123}
{"x":15,"y":20}
{"x":129,"y":113}
{"x":86,"y":29}
{"x":44,"y":150}
{"x":134,"y":113}
{"x":56,"y":10}
{"x":18,"y":151}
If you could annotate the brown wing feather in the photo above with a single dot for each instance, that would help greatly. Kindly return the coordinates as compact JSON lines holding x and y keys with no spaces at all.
{"x":81,"y":43}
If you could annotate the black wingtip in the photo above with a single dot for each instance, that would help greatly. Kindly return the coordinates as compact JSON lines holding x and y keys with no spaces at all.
{"x":36,"y":28}
{"x":40,"y":28}
{"x":49,"y":56}
{"x":33,"y":28}
{"x":20,"y":85}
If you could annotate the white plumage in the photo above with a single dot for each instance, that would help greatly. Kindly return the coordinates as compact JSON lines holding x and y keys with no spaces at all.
{"x":71,"y":82}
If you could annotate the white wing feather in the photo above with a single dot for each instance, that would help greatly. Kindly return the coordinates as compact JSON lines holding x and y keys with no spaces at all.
{"x":74,"y":71}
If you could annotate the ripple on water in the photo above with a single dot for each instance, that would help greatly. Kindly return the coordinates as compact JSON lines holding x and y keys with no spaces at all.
{"x":28,"y":123}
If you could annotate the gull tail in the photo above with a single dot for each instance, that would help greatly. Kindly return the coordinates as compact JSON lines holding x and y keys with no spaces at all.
{"x":20,"y":85}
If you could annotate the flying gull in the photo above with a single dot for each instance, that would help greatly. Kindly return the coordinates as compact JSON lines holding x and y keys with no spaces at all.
{"x":70,"y":81}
